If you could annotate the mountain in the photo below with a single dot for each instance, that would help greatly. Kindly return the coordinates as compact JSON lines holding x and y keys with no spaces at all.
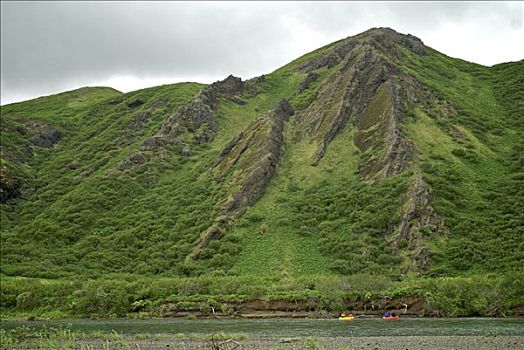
{"x":373,"y":155}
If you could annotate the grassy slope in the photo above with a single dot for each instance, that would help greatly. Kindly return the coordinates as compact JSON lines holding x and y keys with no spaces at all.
{"x":90,"y":218}
{"x":20,"y":122}
{"x":471,"y":163}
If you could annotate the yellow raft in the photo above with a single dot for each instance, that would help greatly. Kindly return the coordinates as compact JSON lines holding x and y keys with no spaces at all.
{"x":346,"y":317}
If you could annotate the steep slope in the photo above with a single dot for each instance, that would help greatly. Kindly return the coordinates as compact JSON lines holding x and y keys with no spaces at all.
{"x":244,"y":169}
{"x":36,"y":125}
{"x":374,"y":154}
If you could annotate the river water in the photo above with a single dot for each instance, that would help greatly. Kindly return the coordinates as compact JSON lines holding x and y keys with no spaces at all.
{"x":285,"y":327}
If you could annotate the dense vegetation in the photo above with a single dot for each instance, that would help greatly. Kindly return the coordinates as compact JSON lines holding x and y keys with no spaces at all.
{"x":111,"y":235}
{"x":132,"y":296}
{"x":474,"y":162}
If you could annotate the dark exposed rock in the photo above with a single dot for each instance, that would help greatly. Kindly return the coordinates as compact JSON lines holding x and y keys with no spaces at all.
{"x":134,"y":159}
{"x":192,"y":117}
{"x":138,"y":158}
{"x":72,"y":165}
{"x":200,"y":111}
{"x":227,"y":149}
{"x":215,"y":231}
{"x":46,"y":137}
{"x":20,"y":157}
{"x":27,"y":151}
{"x":283,"y":110}
{"x":381,"y":123}
{"x":310,"y":78}
{"x":21,"y":130}
{"x":86,"y":173}
{"x":346,"y":95}
{"x":237,"y":100}
{"x":139,"y":120}
{"x":114,"y":101}
{"x":34,"y":134}
{"x":197,"y":117}
{"x":10,"y":186}
{"x":136,"y":103}
{"x":418,"y":215}
{"x":246,"y":166}
{"x":205,"y":134}
{"x":388,"y":41}
{"x":186,"y":152}
{"x":154,"y":143}
{"x":367,"y":92}
{"x":255,"y":155}
{"x":171,"y":127}
{"x":229,"y":86}
{"x":329,"y":60}
{"x":385,"y":40}
{"x":251,"y":86}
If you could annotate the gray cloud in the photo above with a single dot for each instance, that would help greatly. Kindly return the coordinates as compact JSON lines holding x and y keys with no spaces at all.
{"x":47,"y":47}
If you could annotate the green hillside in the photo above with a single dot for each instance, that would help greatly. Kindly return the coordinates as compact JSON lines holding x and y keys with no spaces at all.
{"x":374,"y":162}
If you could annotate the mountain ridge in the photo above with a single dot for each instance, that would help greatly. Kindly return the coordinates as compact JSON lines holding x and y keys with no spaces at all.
{"x":245,"y":160}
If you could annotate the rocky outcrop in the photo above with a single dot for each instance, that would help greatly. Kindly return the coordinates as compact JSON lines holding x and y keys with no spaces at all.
{"x":387,"y":41}
{"x":254,"y":155}
{"x":368,"y":93}
{"x":135,"y":159}
{"x":390,"y":42}
{"x":245,"y":167}
{"x":197,"y":117}
{"x":128,"y":135}
{"x":345,"y":97}
{"x":155,"y":142}
{"x":10,"y":185}
{"x":418,"y":219}
{"x":34,"y":134}
{"x":379,"y":130}
{"x":135,"y":103}
{"x":308,"y":80}
{"x":46,"y":137}
{"x":251,"y":87}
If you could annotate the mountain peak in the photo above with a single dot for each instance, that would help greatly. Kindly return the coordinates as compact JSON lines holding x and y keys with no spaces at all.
{"x":388,"y":40}
{"x":375,"y":44}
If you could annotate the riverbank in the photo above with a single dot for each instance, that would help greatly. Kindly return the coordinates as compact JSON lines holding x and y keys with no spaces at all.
{"x":370,"y":333}
{"x":256,"y":296}
{"x":70,"y":340}
{"x":353,"y":343}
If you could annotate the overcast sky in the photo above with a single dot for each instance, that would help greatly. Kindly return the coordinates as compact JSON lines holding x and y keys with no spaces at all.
{"x":49,"y":47}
